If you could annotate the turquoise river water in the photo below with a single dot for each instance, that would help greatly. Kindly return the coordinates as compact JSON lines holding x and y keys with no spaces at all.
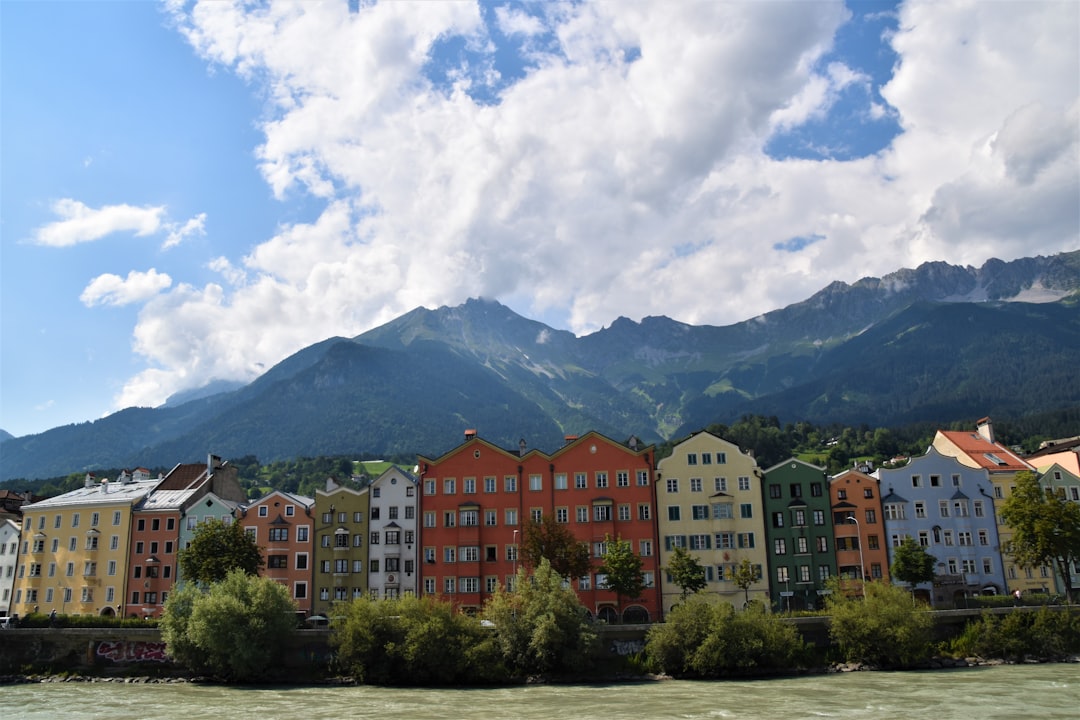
{"x":1007,"y":692}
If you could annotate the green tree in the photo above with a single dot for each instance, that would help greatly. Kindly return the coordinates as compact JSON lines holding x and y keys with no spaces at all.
{"x":686,"y":572}
{"x":708,"y":640}
{"x":408,"y":641}
{"x":235,"y":629}
{"x":541,"y":628}
{"x":1045,"y":528}
{"x":745,"y":576}
{"x":216,"y":550}
{"x":623,"y":569}
{"x":882,"y":629}
{"x":547,"y":539}
{"x":912,"y":564}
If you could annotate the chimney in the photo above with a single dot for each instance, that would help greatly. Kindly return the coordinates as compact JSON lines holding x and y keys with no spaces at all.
{"x":569,"y":439}
{"x":986,"y":429}
{"x":521,"y":447}
{"x":89,"y":481}
{"x":105,"y":485}
{"x":470,"y":433}
{"x":213,"y":462}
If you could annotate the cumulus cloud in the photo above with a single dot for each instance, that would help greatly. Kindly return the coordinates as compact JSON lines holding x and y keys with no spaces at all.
{"x":80,"y":223}
{"x":109,"y":289}
{"x":623,"y":171}
{"x":177,"y":232}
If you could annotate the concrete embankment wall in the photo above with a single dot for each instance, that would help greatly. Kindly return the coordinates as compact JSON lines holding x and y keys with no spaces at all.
{"x":126,"y":650}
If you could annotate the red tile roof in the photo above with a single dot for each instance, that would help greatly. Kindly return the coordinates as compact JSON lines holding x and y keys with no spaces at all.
{"x":995,"y":457}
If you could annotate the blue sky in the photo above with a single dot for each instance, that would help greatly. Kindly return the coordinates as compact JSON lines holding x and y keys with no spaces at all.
{"x":193,"y":191}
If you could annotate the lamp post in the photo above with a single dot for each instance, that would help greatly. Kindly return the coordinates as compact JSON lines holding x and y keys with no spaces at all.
{"x":862,"y":563}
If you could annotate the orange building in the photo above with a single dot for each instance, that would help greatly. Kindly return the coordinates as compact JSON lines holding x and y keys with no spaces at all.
{"x":475,"y":499}
{"x":281,"y":524}
{"x":859,"y":534}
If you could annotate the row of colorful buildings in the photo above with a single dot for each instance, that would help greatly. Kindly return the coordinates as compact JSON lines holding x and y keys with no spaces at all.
{"x":452,"y":526}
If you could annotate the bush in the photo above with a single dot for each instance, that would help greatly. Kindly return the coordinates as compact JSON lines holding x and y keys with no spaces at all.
{"x":1041,"y":635}
{"x":409,"y":641}
{"x":703,"y":639}
{"x":883,"y":629}
{"x":235,"y":629}
{"x":541,"y":628}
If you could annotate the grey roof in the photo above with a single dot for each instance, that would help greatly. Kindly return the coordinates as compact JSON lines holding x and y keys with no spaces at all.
{"x":105,"y":493}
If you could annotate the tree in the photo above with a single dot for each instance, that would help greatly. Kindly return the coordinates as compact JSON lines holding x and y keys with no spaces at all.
{"x":216,"y":550}
{"x":623,"y":570}
{"x":235,"y":629}
{"x":541,"y":628}
{"x":547,"y":539}
{"x":1045,"y":528}
{"x":745,"y":576}
{"x":686,"y":572}
{"x":883,"y":628}
{"x":912,"y":564}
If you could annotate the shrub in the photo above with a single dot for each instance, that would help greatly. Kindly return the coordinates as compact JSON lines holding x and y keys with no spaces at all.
{"x":703,"y":639}
{"x":234,"y":630}
{"x":883,"y":629}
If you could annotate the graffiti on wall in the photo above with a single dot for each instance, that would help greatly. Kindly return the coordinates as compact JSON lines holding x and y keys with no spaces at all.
{"x":627,"y":647}
{"x":132,"y":651}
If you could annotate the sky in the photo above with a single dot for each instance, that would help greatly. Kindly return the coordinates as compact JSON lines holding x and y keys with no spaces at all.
{"x":193,"y":191}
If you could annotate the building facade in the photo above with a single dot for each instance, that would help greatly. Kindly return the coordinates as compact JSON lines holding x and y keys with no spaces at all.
{"x":799,"y":528}
{"x":340,"y":567}
{"x":281,"y":524}
{"x":75,"y":548}
{"x":9,"y":562}
{"x":475,"y":498}
{"x":948,"y":507}
{"x":708,"y":497}
{"x":392,"y":547}
{"x":859,"y":530}
{"x":1064,"y":483}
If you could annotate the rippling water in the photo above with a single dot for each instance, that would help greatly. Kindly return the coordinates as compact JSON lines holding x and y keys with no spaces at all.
{"x":1009,"y":691}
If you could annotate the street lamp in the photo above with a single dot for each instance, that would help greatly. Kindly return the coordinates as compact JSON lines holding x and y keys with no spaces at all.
{"x":862,"y":563}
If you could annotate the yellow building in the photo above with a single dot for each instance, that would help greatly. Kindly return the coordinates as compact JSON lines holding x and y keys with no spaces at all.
{"x":73,"y":556}
{"x":709,"y":501}
{"x":978,"y":449}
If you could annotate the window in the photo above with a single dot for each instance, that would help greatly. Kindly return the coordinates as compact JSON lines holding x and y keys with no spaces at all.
{"x":774,"y":491}
{"x":720,"y":484}
{"x":984,"y":538}
{"x":624,"y":512}
{"x":823,"y":572}
{"x":279,"y":534}
{"x":263,"y":511}
{"x":560,"y":484}
{"x":673,"y":485}
{"x":449,"y":585}
{"x":988,"y":567}
{"x":468,"y":486}
{"x":469,"y":518}
{"x":373,"y":566}
{"x":470,"y":585}
{"x":746,"y":510}
{"x":643,"y":478}
{"x":510,"y":516}
{"x":872,"y":542}
{"x":699,"y":512}
{"x":429,"y":586}
{"x":979,"y":512}
{"x":706,"y":458}
{"x":949,"y":537}
{"x":700,"y":542}
{"x":582,"y":513}
{"x":392,"y":537}
{"x":450,"y":554}
{"x":801,"y":545}
{"x":798,"y":518}
{"x":449,"y":519}
{"x":449,"y":486}
{"x":429,"y":487}
{"x":819,"y":517}
{"x":674,"y":541}
{"x":393,"y":512}
{"x":725,"y":540}
{"x":536,"y":483}
{"x":645,"y":548}
{"x":277,"y":562}
{"x":673,"y":513}
{"x":815,"y":489}
{"x":782,"y":574}
{"x":491,"y":519}
{"x":804,"y":573}
{"x":779,"y":546}
{"x":960,"y":508}
{"x":744,"y":483}
{"x":74,"y":521}
{"x":622,"y":478}
{"x":746,"y":540}
{"x":916,"y":481}
{"x":841,"y":494}
{"x":691,"y":458}
{"x":301,"y":561}
{"x":581,"y":481}
{"x":723,"y":511}
{"x":537,"y":514}
{"x":695,"y":485}
{"x":924,"y":538}
{"x":602,"y":513}
{"x":871,"y":517}
{"x":964,"y":536}
{"x":796,"y":490}
{"x":895,"y":511}
{"x":510,"y":483}
{"x":822,"y":544}
{"x":429,"y":518}
{"x":511,"y":552}
{"x":920,"y":509}
{"x":644,"y":511}
{"x":601,"y":479}
{"x":599,"y":549}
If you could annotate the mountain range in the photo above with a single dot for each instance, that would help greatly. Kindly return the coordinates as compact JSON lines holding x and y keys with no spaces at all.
{"x":937,"y":343}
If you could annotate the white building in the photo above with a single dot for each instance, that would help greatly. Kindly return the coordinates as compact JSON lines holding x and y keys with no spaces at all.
{"x":392,"y":537}
{"x":9,"y":560}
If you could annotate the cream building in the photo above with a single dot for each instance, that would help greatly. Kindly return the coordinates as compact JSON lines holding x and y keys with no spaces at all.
{"x":708,"y":496}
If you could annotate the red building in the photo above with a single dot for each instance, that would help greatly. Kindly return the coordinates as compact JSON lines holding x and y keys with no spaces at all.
{"x":859,"y":535}
{"x":475,"y":499}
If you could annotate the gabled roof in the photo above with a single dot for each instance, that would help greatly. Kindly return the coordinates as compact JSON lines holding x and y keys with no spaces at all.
{"x":992,"y":456}
{"x":892,"y":497}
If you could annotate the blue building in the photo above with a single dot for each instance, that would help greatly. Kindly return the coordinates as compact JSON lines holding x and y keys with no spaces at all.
{"x":949,"y":508}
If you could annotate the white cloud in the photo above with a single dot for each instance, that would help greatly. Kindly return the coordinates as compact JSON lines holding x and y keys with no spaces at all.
{"x":178,"y":233}
{"x":80,"y":223}
{"x":601,"y":188}
{"x":109,"y":289}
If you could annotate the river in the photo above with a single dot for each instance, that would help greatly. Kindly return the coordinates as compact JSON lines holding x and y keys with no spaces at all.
{"x":1007,"y":692}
